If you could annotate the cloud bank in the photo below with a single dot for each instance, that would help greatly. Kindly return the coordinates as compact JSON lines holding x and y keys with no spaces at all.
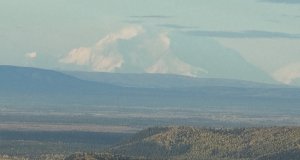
{"x":133,"y":21}
{"x":151,"y":16}
{"x":174,"y":26}
{"x":282,"y":1}
{"x":244,"y":34}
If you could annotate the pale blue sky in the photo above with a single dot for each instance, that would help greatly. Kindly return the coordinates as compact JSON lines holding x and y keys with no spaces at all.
{"x":265,"y":33}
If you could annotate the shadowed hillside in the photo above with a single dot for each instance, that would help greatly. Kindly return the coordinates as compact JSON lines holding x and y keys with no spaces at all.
{"x":34,"y":80}
{"x":150,"y":80}
{"x":282,"y":143}
{"x":27,"y":85}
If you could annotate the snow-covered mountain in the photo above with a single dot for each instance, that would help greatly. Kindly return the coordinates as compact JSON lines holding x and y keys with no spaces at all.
{"x":136,"y":50}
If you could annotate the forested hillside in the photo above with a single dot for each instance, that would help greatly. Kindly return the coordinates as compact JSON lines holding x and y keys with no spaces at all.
{"x":282,"y":143}
{"x":103,"y":156}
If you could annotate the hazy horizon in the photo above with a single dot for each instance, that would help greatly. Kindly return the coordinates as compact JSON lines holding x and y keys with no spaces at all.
{"x":149,"y":79}
{"x":256,"y":40}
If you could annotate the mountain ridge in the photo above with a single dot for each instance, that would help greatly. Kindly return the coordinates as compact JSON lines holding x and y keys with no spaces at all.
{"x":14,"y":78}
{"x":153,"y":80}
{"x":34,"y":82}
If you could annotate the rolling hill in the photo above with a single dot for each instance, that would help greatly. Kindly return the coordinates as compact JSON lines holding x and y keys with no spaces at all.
{"x":282,"y":143}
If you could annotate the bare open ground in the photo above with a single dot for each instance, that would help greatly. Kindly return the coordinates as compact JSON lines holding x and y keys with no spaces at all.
{"x":63,"y":127}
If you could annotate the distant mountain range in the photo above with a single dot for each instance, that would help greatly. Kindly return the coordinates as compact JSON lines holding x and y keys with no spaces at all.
{"x":153,"y":80}
{"x":143,"y":89}
{"x":31,"y":80}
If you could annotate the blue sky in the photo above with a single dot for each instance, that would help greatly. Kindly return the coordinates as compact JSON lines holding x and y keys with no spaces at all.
{"x":139,"y":36}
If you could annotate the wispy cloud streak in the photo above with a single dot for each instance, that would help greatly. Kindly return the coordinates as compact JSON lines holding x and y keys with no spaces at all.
{"x":282,"y":1}
{"x":133,"y":21}
{"x":151,"y":16}
{"x":175,"y":26}
{"x":244,"y":34}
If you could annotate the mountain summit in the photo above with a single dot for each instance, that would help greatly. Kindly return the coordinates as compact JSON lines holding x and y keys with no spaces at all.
{"x":134,"y":50}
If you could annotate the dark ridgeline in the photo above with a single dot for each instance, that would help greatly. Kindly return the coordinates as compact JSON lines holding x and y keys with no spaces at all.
{"x":152,"y":80}
{"x":33,"y":80}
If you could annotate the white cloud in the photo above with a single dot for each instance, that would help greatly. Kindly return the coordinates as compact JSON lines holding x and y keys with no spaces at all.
{"x":287,"y":73}
{"x":31,"y":55}
{"x":104,"y":55}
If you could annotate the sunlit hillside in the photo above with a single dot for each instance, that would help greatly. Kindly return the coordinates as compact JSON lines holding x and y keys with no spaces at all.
{"x":205,"y":143}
